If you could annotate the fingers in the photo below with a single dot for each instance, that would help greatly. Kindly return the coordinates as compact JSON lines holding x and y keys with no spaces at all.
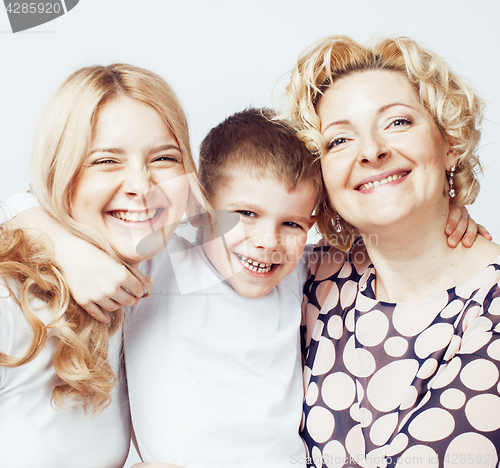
{"x":454,"y":216}
{"x":471,"y":233}
{"x":94,"y":311}
{"x":482,"y":231}
{"x":132,"y":286}
{"x":460,"y":228}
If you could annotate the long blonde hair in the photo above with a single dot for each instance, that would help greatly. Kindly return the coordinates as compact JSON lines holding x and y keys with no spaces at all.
{"x":454,"y":105}
{"x":61,"y":146}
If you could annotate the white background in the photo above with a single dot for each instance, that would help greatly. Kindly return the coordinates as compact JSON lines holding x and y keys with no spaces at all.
{"x":221,"y":56}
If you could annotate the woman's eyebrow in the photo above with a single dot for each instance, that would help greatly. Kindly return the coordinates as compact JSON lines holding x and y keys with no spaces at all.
{"x":337,"y":122}
{"x":380,"y":110}
{"x":392,"y":104}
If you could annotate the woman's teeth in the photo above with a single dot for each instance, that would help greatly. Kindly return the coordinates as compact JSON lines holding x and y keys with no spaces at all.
{"x":134,"y":216}
{"x":376,"y":183}
{"x":255,"y":266}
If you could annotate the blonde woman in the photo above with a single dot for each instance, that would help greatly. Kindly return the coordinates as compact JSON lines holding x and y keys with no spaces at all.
{"x":402,"y":364}
{"x":110,"y":164}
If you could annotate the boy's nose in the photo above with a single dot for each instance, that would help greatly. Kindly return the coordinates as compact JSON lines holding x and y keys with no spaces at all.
{"x":267,"y":239}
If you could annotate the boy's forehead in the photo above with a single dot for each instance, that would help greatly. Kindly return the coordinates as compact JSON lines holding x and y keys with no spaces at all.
{"x":238,"y":175}
{"x":263,"y":191}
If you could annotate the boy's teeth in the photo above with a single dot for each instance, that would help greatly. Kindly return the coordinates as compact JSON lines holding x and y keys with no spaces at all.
{"x":376,"y":183}
{"x":252,"y":265}
{"x":134,"y":216}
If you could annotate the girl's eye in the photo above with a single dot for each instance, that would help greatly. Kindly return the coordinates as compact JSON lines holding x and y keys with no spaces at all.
{"x":166,"y":157}
{"x":103,"y":161}
{"x":246,"y":213}
{"x":337,"y":141}
{"x":399,"y":122}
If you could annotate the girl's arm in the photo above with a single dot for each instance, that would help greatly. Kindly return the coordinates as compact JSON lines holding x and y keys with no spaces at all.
{"x":95,"y":280}
{"x":98,"y":283}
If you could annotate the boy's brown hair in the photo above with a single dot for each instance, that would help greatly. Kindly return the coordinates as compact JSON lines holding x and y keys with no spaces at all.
{"x":257,"y":141}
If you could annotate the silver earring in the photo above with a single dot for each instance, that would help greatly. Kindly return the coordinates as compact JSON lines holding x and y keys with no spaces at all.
{"x":451,"y":191}
{"x":337,"y":225}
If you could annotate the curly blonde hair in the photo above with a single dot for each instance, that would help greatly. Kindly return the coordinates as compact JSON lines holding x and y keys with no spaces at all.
{"x":63,"y":141}
{"x":455,"y":107}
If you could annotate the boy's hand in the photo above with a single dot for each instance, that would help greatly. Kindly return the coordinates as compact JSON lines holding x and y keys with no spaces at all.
{"x":460,"y":226}
{"x":95,"y":280}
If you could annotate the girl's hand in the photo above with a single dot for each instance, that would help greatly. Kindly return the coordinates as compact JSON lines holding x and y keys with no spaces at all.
{"x":95,"y":280}
{"x":460,"y":226}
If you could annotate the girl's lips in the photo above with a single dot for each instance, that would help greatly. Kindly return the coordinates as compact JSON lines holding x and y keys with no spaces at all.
{"x":255,"y":267}
{"x":389,"y":177}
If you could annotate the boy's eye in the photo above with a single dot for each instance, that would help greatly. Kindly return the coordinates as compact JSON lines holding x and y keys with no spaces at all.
{"x":292,"y":224}
{"x":246,"y":213}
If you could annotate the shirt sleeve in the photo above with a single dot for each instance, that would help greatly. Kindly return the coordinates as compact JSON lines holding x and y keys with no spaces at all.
{"x":17,"y":204}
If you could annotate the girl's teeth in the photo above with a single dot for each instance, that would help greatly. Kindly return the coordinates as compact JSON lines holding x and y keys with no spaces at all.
{"x":135,"y":217}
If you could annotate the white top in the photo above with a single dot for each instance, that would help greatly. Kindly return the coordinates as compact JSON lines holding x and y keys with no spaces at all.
{"x":215,"y":378}
{"x":33,"y":434}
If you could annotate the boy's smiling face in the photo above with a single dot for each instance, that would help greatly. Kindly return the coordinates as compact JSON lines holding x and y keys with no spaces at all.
{"x":267,"y":244}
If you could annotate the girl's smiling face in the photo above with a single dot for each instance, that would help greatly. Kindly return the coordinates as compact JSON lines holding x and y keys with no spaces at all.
{"x":133,"y":181}
{"x":385,"y":158}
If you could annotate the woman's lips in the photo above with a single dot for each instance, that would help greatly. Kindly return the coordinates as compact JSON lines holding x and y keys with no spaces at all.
{"x":382,"y":179}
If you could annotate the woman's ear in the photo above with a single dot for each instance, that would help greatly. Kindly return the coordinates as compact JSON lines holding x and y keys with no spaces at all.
{"x":451,"y":158}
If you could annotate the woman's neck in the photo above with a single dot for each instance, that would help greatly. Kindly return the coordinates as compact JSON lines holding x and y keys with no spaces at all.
{"x":417,"y":262}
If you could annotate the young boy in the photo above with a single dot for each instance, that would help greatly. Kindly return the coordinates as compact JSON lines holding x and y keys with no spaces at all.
{"x":214,"y":376}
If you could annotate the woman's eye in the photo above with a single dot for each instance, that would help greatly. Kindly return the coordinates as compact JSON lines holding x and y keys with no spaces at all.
{"x":399,"y":122}
{"x":337,"y":141}
{"x":246,"y":213}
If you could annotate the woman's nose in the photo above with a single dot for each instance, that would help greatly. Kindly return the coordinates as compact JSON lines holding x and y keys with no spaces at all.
{"x":373,"y":149}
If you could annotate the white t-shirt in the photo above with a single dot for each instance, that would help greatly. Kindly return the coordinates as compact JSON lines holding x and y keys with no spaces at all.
{"x":33,"y":434}
{"x":214,"y":378}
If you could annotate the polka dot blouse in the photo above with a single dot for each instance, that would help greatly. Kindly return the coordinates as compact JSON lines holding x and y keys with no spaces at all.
{"x":413,"y":384}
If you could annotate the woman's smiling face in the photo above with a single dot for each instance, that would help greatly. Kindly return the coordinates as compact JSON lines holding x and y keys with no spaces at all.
{"x":133,"y":181}
{"x":385,"y":158}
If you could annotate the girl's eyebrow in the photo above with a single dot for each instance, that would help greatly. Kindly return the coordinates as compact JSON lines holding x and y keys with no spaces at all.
{"x":122,"y":151}
{"x":163,"y":148}
{"x":107,"y":150}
